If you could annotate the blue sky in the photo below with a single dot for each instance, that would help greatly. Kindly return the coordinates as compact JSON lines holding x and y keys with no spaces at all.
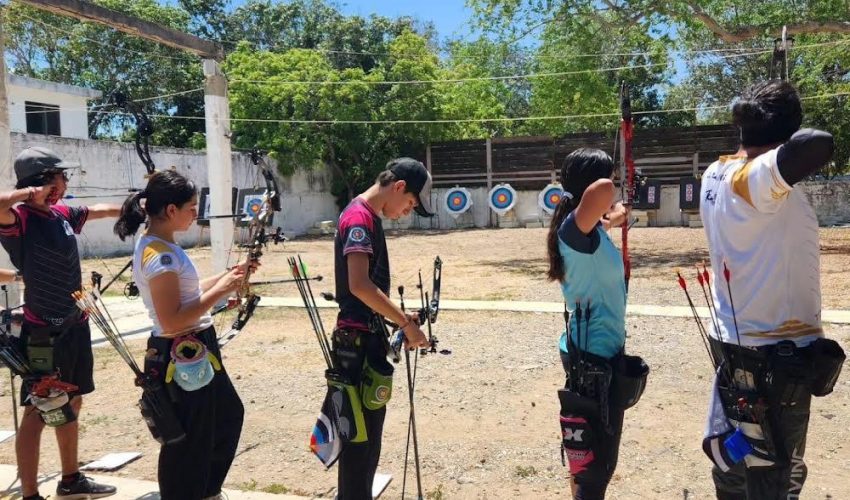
{"x":450,"y":17}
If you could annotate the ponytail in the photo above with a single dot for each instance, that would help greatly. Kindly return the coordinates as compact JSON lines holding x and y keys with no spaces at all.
{"x":581,"y":168}
{"x":132,"y":216}
{"x":166,"y":187}
{"x":556,"y":264}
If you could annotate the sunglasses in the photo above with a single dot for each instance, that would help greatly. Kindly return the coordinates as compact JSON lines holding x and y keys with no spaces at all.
{"x":47,"y":177}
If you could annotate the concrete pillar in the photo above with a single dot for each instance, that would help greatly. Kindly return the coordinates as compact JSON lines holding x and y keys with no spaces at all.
{"x":219,"y":161}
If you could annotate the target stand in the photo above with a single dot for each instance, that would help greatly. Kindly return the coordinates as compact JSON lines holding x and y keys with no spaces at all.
{"x":457,"y":202}
{"x":502,"y":200}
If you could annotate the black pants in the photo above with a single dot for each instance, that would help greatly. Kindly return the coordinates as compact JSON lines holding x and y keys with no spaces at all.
{"x":196,"y":467}
{"x":359,"y":461}
{"x":789,"y":425}
{"x":592,"y":482}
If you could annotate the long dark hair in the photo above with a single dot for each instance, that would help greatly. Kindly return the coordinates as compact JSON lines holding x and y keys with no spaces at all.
{"x":581,"y":168}
{"x":768,"y":113}
{"x":167,"y":187}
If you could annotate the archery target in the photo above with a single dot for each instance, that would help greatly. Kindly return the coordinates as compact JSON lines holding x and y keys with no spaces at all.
{"x":550,"y":197}
{"x":251,"y":205}
{"x":502,"y":198}
{"x":457,"y":201}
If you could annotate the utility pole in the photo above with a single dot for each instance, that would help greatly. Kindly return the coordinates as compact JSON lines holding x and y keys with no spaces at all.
{"x":7,"y":175}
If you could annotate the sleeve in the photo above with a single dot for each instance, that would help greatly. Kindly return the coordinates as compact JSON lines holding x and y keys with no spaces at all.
{"x":14,"y":230}
{"x":11,"y":238}
{"x":158,"y":258}
{"x":357,"y":233}
{"x":77,"y":216}
{"x":760,"y":184}
{"x":572,"y":236}
{"x":805,"y":153}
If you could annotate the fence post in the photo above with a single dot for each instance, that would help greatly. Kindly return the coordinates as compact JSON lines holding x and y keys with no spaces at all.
{"x":696,"y":164}
{"x":489,"y":177}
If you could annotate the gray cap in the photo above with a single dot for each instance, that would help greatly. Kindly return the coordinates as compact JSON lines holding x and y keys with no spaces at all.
{"x":418,"y":182}
{"x":36,"y":160}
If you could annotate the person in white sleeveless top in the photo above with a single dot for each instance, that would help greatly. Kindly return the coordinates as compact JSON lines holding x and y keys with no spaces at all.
{"x":183,"y":350}
{"x":768,"y":332}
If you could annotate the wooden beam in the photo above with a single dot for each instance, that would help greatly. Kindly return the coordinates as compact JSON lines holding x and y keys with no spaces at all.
{"x":86,"y":11}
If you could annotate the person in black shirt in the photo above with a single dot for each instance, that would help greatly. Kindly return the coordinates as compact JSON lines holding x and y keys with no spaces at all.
{"x":39,"y":236}
{"x":362,"y":272}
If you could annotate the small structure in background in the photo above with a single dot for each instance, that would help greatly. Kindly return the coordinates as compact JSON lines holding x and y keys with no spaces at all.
{"x":49,"y":108}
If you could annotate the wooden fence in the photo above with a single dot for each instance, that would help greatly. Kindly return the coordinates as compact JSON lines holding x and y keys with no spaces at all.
{"x":665,"y":154}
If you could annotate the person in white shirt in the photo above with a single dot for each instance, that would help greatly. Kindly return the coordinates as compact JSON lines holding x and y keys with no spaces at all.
{"x":764,"y":232}
{"x":183,"y":350}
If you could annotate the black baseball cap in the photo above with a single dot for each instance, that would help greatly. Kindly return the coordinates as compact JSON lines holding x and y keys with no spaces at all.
{"x":418,"y":180}
{"x":37,"y":160}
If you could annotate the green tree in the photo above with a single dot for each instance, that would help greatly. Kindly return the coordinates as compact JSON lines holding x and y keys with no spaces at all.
{"x":62,"y":49}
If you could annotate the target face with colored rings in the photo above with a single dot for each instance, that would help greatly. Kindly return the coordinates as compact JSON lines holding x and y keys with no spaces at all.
{"x":502,"y":198}
{"x":458,"y":200}
{"x":550,"y":197}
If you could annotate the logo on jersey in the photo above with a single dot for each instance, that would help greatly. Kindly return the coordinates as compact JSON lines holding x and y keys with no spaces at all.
{"x":68,"y":229}
{"x":357,"y":235}
{"x":166,"y":260}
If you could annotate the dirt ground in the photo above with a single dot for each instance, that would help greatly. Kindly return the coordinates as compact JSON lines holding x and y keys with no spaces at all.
{"x":487,"y":413}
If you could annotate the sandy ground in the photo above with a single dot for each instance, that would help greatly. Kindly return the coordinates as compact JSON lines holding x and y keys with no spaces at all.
{"x":487,"y":413}
{"x":510,"y":264}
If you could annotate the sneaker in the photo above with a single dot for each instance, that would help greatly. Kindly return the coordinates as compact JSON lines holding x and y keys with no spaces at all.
{"x":82,"y":489}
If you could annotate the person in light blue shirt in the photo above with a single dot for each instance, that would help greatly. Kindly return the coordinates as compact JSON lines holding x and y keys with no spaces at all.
{"x":589,"y":269}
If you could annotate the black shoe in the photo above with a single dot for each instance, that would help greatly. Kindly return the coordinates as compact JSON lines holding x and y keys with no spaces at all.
{"x":82,"y":489}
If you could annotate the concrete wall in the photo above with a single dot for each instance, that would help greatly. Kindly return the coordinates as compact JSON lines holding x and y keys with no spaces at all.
{"x":73,"y":115}
{"x":110,"y":168}
{"x":830,"y":199}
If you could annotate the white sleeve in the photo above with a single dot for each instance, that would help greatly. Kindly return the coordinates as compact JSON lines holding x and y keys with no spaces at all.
{"x":760,"y":184}
{"x":158,"y":259}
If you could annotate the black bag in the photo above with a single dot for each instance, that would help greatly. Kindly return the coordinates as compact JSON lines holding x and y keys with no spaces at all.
{"x":629,"y":381}
{"x":827,"y":359}
{"x":158,"y":412}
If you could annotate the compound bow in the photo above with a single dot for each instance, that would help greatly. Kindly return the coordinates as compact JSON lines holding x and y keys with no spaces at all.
{"x":246,"y":299}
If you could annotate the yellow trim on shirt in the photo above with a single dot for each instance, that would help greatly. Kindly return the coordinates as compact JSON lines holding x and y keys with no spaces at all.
{"x":153,"y":250}
{"x":788,"y":330}
{"x":780,"y":191}
{"x":741,"y":183}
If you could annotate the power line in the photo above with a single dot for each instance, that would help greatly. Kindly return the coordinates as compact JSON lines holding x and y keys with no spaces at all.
{"x":474,"y":120}
{"x":449,"y":80}
{"x":493,"y":78}
{"x":745,"y":51}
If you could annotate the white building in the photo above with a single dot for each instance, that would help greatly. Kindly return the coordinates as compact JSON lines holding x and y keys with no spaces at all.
{"x":48,"y":108}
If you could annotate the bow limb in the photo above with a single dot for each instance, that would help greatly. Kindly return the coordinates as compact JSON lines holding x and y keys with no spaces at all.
{"x":627,"y":183}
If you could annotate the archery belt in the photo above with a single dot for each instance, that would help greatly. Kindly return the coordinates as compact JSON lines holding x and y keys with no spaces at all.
{"x":765,"y":380}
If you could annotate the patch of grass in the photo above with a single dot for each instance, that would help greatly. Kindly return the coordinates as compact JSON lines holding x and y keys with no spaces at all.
{"x":248,"y":485}
{"x":100,"y":419}
{"x":525,"y":472}
{"x":276,"y":488}
{"x":435,"y":494}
